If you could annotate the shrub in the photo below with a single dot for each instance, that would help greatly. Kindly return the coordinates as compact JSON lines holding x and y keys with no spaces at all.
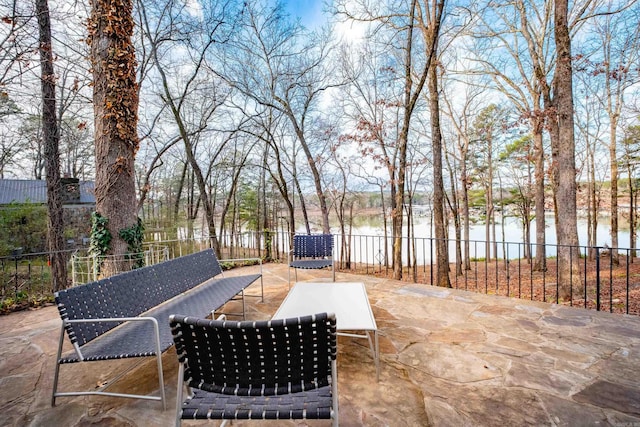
{"x":23,"y":225}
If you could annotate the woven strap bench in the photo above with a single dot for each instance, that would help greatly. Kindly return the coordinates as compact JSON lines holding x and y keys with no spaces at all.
{"x":127,"y":315}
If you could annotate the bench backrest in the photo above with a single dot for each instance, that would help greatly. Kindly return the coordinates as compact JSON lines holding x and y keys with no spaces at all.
{"x":312,"y":245}
{"x":132,"y":293}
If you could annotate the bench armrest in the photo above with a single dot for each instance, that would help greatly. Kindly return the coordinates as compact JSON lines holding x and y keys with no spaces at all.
{"x":112,"y":319}
{"x":116,"y":319}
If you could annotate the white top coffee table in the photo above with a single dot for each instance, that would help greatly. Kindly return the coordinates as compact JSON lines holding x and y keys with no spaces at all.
{"x":348,"y":301}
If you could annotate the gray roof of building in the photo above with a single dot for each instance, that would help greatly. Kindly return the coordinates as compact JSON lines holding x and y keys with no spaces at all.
{"x":35,"y":191}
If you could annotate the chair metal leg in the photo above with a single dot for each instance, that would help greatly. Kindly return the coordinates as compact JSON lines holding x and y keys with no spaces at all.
{"x":179,"y":395}
{"x":334,"y":393}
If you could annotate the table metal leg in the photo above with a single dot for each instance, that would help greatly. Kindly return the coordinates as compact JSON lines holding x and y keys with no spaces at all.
{"x":376,"y":355}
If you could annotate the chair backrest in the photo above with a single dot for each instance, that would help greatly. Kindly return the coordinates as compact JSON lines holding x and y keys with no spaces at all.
{"x":312,"y":245}
{"x":256,"y":358}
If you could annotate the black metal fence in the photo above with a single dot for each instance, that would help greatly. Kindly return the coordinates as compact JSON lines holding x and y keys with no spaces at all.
{"x":25,"y":279}
{"x":609,"y":279}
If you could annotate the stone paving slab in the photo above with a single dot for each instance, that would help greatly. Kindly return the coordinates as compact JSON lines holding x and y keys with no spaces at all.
{"x":448,"y":358}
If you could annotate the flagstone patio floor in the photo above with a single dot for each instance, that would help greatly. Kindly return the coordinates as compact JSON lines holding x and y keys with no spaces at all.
{"x":448,"y":358}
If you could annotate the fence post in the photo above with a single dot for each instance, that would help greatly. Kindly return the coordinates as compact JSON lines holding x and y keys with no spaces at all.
{"x":597,"y":248}
{"x":73,"y":269}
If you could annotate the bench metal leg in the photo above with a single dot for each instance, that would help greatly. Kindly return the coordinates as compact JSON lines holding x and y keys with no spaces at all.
{"x":57,"y":372}
{"x":159,"y":362}
{"x":162,"y":396}
{"x":244,"y":308}
{"x":236,"y":298}
{"x":261,"y":285}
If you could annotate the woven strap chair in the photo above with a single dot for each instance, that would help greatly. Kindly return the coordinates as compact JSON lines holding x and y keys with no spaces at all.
{"x":277,"y":369}
{"x":312,"y":251}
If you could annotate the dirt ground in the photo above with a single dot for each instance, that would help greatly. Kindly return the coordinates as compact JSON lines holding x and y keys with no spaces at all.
{"x":611,"y":286}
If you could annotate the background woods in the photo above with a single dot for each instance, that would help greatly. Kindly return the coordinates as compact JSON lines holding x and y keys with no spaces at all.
{"x":211,"y":118}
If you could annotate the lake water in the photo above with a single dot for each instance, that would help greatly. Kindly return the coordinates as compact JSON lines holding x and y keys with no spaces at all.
{"x":371,"y":247}
{"x":372,"y":226}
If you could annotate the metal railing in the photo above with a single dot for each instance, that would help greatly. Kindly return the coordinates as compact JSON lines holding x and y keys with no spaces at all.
{"x":25,"y":280}
{"x":609,"y":278}
{"x":86,"y":267}
{"x":607,"y":283}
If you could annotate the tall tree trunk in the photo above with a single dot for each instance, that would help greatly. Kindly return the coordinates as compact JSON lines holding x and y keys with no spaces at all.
{"x":442,"y":256}
{"x":317,"y":180}
{"x":592,"y":211}
{"x":632,"y":213}
{"x":454,"y":206}
{"x":540,"y":263}
{"x":178,"y":200}
{"x":199,"y":177}
{"x":613,"y":160}
{"x":303,"y":206}
{"x":568,"y":251}
{"x":466,"y":183}
{"x":429,"y":23}
{"x":634,"y":236}
{"x":263,"y":224}
{"x":51,"y":137}
{"x":115,"y":104}
{"x":397,"y":214}
{"x":384,"y":227}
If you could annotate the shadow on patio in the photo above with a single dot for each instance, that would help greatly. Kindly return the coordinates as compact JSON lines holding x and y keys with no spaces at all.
{"x":448,"y":358}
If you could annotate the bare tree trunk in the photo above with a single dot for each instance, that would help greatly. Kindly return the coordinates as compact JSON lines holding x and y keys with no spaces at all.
{"x":568,"y":251}
{"x":176,"y":204}
{"x":315,"y":173}
{"x":632,"y":213}
{"x":634,"y":236}
{"x":385,"y":227}
{"x":411,"y":238}
{"x":115,"y":103}
{"x":540,"y":263}
{"x":303,"y":205}
{"x":264,"y":225}
{"x":489,"y":208}
{"x":613,"y":160}
{"x":155,"y":164}
{"x":466,"y":182}
{"x":429,"y":22}
{"x":454,"y":206}
{"x":232,"y":193}
{"x":592,"y":211}
{"x":51,"y":137}
{"x":442,"y":256}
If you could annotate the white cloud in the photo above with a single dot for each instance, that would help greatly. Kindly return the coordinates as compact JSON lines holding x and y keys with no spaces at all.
{"x":194,"y":8}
